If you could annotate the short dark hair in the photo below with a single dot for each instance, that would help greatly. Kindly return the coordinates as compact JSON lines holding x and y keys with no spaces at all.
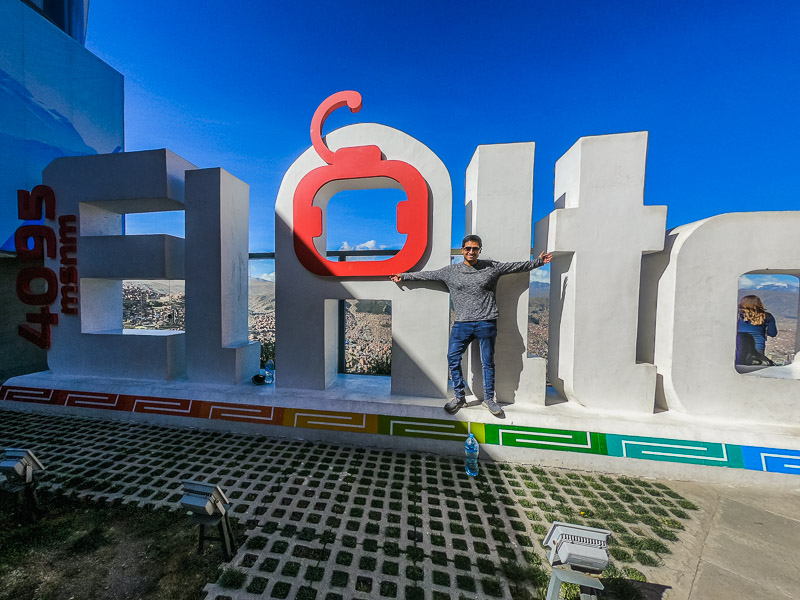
{"x":472,"y":238}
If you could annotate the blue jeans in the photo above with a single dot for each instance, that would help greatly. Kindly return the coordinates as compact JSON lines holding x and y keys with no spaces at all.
{"x":461,"y":335}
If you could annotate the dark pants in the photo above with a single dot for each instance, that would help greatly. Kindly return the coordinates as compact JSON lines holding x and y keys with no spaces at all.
{"x":461,"y":335}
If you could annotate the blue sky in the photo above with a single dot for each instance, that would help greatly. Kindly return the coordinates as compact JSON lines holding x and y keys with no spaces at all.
{"x":234,"y":85}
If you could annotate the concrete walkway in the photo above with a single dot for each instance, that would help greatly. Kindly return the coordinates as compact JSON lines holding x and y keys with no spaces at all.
{"x":332,"y":522}
{"x":746,"y":545}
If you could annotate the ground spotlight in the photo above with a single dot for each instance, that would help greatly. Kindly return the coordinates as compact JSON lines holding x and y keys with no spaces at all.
{"x":582,"y":549}
{"x":208,"y":506}
{"x":19,"y":467}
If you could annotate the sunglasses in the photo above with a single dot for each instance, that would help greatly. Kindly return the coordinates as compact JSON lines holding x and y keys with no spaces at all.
{"x":471,"y":249}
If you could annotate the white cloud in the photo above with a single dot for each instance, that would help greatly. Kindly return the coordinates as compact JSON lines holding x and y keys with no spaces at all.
{"x":368,"y":245}
{"x":268,"y":276}
{"x":746,"y":282}
{"x":541,"y":275}
{"x":754,"y":282}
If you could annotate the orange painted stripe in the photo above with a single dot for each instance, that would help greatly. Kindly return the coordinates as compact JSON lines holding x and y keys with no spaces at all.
{"x":334,"y":421}
{"x":243,"y":413}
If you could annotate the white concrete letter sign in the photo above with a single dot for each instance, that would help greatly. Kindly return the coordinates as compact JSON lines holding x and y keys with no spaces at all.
{"x":696,"y":318}
{"x":499,"y":199}
{"x":305,"y":303}
{"x":598,"y":233}
{"x":217,"y":232}
{"x":100,"y":189}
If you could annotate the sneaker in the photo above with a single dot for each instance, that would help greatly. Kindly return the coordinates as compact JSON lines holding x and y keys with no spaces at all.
{"x":455,"y":404}
{"x":493,"y":407}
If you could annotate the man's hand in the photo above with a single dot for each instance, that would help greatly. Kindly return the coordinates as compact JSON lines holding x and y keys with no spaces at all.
{"x":546,"y":258}
{"x":395,"y":277}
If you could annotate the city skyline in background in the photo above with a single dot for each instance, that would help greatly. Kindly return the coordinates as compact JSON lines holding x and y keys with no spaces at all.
{"x":714,"y":84}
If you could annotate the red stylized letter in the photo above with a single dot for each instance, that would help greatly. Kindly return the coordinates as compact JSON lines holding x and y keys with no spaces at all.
{"x":40,"y":234}
{"x":68,"y":260}
{"x":29,"y":205}
{"x":24,"y":279}
{"x":42,"y":337}
{"x":358,"y":162}
{"x":67,"y":229}
{"x":69,"y":299}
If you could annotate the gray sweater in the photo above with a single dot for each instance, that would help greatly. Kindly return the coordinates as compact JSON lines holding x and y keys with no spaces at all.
{"x":472,"y":289}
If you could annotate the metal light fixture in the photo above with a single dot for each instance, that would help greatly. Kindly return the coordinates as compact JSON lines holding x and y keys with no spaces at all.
{"x":581,"y":548}
{"x":208,"y":505}
{"x":19,"y":467}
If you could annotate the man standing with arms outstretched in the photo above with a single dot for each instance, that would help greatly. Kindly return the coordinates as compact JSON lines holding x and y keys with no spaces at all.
{"x":473,"y":285}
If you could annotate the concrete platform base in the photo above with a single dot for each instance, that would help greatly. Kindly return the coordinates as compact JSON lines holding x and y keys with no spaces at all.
{"x":561,"y":434}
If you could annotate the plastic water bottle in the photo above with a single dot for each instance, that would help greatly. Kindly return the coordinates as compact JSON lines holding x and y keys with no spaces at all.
{"x":269,"y":371}
{"x":471,"y":449}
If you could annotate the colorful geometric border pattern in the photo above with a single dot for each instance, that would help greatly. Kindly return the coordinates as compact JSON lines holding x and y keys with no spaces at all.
{"x":683,"y":451}
{"x":546,"y":439}
{"x":713,"y":454}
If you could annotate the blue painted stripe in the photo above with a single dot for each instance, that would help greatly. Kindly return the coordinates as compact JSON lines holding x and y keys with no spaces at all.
{"x":771,"y":459}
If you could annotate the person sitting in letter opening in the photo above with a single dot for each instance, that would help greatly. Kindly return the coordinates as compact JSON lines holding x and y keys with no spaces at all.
{"x":472,"y":286}
{"x":756,"y":321}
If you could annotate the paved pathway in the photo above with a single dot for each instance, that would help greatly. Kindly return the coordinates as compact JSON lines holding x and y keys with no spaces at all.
{"x":332,"y":523}
{"x":747,"y":545}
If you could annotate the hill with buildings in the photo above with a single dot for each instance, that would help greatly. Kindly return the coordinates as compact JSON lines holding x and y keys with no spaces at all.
{"x":160,"y":305}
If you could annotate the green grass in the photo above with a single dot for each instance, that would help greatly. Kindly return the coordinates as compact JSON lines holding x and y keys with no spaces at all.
{"x":619,"y":583}
{"x":344,"y":558}
{"x":73,"y":548}
{"x":232,"y":579}
{"x":465,"y":582}
{"x":305,"y":482}
{"x":492,"y":587}
{"x":291,"y":569}
{"x":257,"y":542}
{"x":268,"y":565}
{"x":646,"y":559}
{"x":620,"y":554}
{"x":656,"y":546}
{"x":388,"y":589}
{"x":485,"y":566}
{"x":665,"y":534}
{"x":414,"y":573}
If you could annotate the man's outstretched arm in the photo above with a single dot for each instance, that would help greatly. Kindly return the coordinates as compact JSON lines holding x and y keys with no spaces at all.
{"x":437,"y":275}
{"x":525,"y":265}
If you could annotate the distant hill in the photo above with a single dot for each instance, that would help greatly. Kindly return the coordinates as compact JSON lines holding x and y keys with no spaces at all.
{"x":538,"y":289}
{"x":163,"y":287}
{"x":374,"y":307}
{"x":261,"y":292}
{"x":781,"y":303}
{"x":261,"y":295}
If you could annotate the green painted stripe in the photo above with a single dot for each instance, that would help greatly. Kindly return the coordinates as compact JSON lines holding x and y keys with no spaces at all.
{"x":546,"y":439}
